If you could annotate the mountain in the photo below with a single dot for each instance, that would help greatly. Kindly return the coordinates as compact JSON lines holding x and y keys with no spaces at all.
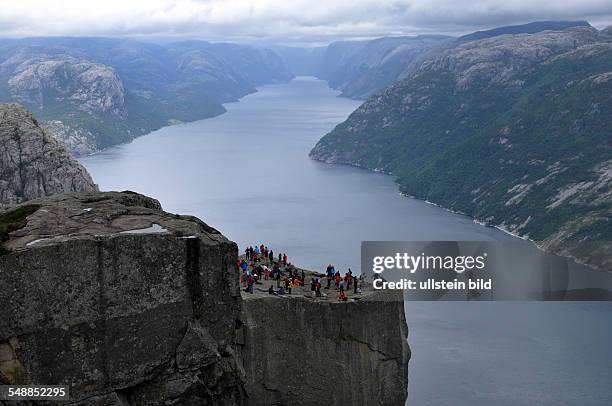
{"x":92,"y":93}
{"x":513,"y":130}
{"x":32,"y":163}
{"x":529,"y":28}
{"x":360,"y":69}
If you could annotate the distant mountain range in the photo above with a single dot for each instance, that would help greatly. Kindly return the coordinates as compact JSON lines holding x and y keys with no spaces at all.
{"x":360,"y":68}
{"x":512,"y":126}
{"x":91,"y":93}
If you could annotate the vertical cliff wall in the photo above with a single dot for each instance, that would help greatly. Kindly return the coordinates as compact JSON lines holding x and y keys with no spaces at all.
{"x":298,"y":351}
{"x":121,"y":301}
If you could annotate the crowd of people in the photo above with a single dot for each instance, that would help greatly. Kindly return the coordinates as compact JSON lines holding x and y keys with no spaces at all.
{"x":259,"y":265}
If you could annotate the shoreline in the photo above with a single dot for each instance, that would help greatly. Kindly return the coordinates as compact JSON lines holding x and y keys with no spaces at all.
{"x":474,"y":219}
{"x":178,"y":122}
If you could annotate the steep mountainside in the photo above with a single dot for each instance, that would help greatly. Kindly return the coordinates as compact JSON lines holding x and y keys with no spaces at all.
{"x":359,"y":69}
{"x":513,"y":130}
{"x":95,"y":92}
{"x":33,"y":164}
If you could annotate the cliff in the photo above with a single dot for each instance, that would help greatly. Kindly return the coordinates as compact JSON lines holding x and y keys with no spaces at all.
{"x":303,"y":351}
{"x":128,"y":304}
{"x":33,"y":164}
{"x":121,"y":301}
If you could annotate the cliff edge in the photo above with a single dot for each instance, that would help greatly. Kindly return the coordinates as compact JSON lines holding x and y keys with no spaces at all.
{"x":121,"y":301}
{"x":302,"y":351}
{"x":130,"y":305}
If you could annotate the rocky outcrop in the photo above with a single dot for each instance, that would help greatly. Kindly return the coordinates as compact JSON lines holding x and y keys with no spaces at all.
{"x":125,"y":303}
{"x":298,"y":351}
{"x":128,"y":304}
{"x":33,"y":164}
{"x":89,"y":87}
{"x":76,"y":140}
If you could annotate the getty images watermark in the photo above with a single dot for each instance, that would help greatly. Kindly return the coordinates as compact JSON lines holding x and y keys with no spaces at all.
{"x":423,"y":263}
{"x":479,"y":270}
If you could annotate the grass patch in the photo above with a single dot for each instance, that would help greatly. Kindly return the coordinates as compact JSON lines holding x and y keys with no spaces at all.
{"x":13,"y":220}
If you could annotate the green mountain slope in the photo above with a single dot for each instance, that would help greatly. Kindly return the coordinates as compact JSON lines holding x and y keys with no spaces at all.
{"x":92,"y":93}
{"x":514,"y":130}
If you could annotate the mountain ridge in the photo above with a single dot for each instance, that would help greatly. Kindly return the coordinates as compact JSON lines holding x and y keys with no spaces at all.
{"x":493,"y":128}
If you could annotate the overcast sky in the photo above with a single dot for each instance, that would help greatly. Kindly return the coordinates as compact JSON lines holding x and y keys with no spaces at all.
{"x":283,"y":21}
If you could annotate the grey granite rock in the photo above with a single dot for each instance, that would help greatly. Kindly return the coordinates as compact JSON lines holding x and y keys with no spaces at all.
{"x":90,"y":87}
{"x":33,"y":164}
{"x":298,"y":351}
{"x":121,"y":315}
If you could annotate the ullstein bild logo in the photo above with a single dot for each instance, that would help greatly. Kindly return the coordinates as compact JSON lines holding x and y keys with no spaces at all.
{"x":479,"y":270}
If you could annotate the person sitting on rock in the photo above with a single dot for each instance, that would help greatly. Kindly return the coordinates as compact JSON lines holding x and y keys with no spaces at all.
{"x":271,"y":290}
{"x":289,"y":287}
{"x":342,"y":297}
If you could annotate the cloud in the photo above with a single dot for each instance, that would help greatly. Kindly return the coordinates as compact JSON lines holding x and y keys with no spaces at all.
{"x":283,"y":20}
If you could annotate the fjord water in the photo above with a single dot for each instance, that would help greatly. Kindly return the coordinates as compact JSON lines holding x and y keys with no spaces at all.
{"x":247,"y":173}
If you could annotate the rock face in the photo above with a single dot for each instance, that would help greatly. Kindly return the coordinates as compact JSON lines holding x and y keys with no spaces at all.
{"x":123,"y":315}
{"x":510,"y":129}
{"x":302,"y":352}
{"x":78,"y":141}
{"x":33,"y":164}
{"x":89,"y":87}
{"x":127,"y":304}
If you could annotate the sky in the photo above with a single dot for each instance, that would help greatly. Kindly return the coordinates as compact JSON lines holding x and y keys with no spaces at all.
{"x":283,"y":21}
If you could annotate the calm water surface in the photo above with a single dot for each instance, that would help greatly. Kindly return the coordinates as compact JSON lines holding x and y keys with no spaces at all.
{"x":247,"y":173}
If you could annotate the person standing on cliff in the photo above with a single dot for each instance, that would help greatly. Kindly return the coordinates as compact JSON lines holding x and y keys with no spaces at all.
{"x":271,"y":256}
{"x":285,"y":259}
{"x":318,"y":288}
